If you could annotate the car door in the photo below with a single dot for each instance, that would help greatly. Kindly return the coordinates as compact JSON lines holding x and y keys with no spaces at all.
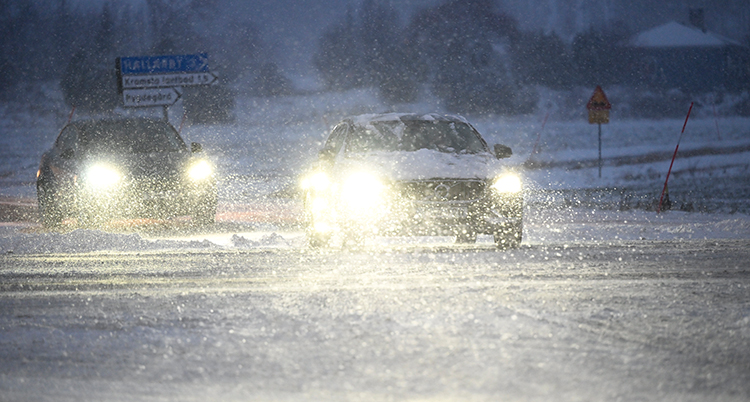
{"x":64,"y":157}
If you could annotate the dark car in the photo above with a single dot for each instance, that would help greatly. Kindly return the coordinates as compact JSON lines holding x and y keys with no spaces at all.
{"x":409,"y":174}
{"x":130,"y":167}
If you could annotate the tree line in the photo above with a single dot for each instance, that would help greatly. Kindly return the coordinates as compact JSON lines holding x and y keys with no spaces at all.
{"x":468,"y":53}
{"x":77,"y":46}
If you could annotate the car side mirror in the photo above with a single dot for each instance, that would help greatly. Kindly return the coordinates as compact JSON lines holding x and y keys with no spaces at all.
{"x":196,"y":147}
{"x":502,"y":151}
{"x":68,"y":153}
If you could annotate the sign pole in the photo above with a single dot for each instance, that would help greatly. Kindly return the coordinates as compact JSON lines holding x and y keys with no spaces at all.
{"x":600,"y":150}
{"x":598,"y":107}
{"x":148,"y":81}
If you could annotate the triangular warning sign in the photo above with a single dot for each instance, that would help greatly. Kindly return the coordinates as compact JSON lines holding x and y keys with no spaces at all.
{"x":598,"y":100}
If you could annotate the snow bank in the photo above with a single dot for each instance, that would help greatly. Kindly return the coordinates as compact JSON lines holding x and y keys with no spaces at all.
{"x":543,"y":227}
{"x":14,"y":240}
{"x":22,"y":239}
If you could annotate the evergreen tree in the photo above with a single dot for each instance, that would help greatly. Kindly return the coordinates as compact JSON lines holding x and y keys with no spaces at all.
{"x":459,"y":44}
{"x":339,"y":58}
{"x":90,"y":81}
{"x":270,"y":82}
{"x":541,"y":59}
{"x":368,"y":50}
{"x":599,"y":56}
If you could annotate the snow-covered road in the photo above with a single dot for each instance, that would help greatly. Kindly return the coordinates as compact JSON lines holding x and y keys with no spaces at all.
{"x":631,"y":320}
{"x":605,"y":300}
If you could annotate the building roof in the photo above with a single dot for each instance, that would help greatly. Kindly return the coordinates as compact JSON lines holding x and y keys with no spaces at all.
{"x":674,"y":34}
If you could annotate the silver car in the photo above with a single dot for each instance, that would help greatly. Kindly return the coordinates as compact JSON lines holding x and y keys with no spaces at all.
{"x":409,"y":174}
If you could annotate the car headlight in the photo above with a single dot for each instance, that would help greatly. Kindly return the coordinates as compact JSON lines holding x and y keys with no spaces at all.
{"x":507,"y":183}
{"x":317,"y":181}
{"x":361,"y":191}
{"x":200,"y":170}
{"x":102,"y":176}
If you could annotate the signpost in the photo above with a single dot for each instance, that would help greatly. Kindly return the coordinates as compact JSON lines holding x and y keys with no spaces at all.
{"x":598,"y":107}
{"x":176,"y":63}
{"x":146,"y":81}
{"x":167,"y":80}
{"x":144,"y":97}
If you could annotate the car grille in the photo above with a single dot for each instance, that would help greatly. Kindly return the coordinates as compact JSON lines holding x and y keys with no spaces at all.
{"x":154,"y":185}
{"x":441,"y":190}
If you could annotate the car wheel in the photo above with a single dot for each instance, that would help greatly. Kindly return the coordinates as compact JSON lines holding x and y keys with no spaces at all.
{"x":318,"y":240}
{"x":466,"y":236}
{"x":354,"y":238}
{"x":509,"y":237}
{"x":49,"y":211}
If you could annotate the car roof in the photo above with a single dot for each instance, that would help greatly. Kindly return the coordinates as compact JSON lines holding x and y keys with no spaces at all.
{"x":366,"y":119}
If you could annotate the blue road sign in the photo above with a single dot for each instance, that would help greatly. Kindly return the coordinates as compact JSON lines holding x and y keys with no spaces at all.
{"x":182,"y":63}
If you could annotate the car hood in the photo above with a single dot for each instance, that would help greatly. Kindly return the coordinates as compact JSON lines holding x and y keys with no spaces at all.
{"x":424,"y":164}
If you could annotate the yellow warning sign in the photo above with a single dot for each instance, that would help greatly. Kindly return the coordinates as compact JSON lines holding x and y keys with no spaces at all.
{"x":598,"y":116}
{"x":598,"y":107}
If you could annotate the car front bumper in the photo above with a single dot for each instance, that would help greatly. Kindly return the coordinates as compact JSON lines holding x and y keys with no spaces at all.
{"x":489,"y":214}
{"x":132,"y":200}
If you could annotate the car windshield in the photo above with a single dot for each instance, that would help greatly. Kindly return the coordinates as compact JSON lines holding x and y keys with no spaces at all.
{"x":130,"y":136}
{"x":443,"y":136}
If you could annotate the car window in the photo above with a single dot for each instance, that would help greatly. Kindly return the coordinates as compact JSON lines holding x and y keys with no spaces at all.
{"x":365,"y":139}
{"x":443,"y":136}
{"x":336,"y":139}
{"x":131,"y":136}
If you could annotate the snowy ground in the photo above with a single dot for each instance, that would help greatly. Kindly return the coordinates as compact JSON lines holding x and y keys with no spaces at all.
{"x":605,"y":300}
{"x":638,"y":320}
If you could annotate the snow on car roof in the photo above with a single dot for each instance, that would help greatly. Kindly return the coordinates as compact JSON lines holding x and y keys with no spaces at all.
{"x":367,"y":119}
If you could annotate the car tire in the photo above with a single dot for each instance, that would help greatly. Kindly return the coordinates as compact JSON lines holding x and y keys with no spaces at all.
{"x":509,"y":237}
{"x":354,"y":238}
{"x":318,"y":240}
